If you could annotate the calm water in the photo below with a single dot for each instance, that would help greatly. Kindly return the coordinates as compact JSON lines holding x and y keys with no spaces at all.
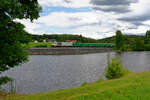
{"x":48,"y":73}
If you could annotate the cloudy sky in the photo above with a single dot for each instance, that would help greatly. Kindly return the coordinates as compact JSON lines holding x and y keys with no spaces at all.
{"x":91,"y":18}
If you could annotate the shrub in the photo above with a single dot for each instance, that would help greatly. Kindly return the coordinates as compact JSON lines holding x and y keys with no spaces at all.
{"x":115,"y":69}
{"x":4,"y":80}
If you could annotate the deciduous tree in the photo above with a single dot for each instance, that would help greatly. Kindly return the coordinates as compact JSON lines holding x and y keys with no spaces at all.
{"x":12,"y":33}
{"x":147,"y":37}
{"x":119,"y":40}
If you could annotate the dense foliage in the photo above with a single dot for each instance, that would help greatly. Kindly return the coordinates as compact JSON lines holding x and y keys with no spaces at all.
{"x":139,"y":43}
{"x":12,"y":33}
{"x":130,"y":42}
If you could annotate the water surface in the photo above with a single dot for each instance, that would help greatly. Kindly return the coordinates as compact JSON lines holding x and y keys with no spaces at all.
{"x":45,"y":73}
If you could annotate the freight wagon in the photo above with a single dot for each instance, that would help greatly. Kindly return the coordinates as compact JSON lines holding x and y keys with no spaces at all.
{"x":93,"y":45}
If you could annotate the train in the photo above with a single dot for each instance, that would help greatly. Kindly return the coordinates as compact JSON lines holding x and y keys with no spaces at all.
{"x":71,"y":44}
{"x":93,"y":45}
{"x":62,"y":44}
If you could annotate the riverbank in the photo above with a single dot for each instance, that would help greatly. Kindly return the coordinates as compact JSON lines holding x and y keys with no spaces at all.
{"x":134,"y":86}
{"x":68,"y":50}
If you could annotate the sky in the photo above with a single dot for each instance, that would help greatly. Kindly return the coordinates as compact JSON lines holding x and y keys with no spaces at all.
{"x":91,"y":18}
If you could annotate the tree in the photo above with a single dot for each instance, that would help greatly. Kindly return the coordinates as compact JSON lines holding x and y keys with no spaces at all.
{"x":12,"y":33}
{"x":115,"y":69}
{"x":147,"y":37}
{"x":119,"y":40}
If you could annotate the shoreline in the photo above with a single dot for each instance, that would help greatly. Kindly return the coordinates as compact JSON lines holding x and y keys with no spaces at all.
{"x":68,"y":50}
{"x":130,"y":86}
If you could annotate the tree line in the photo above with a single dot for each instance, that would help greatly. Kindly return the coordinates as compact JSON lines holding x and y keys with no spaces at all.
{"x":62,"y":38}
{"x":124,"y":43}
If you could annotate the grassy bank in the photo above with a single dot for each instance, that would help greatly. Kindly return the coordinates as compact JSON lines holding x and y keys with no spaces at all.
{"x":135,"y":86}
{"x":37,"y":45}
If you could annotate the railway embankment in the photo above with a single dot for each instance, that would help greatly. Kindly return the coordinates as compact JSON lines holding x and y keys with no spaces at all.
{"x":68,"y":50}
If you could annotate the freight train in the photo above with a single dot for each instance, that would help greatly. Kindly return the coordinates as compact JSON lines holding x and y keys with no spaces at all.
{"x":71,"y":44}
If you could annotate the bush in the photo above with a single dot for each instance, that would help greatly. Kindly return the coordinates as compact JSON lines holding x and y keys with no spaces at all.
{"x":4,"y":80}
{"x":115,"y":69}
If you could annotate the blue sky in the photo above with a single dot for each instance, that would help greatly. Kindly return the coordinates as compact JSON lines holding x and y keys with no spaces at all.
{"x":47,"y":10}
{"x":91,"y":18}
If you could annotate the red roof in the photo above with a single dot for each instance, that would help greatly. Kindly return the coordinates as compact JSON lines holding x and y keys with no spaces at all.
{"x":71,"y":40}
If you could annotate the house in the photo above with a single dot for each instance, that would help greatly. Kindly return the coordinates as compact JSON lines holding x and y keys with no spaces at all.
{"x":44,"y":40}
{"x":73,"y":41}
{"x":35,"y":41}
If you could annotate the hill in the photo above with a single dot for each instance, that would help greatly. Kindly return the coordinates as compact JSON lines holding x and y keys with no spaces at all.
{"x":64,"y":37}
{"x":128,"y":39}
{"x":82,"y":39}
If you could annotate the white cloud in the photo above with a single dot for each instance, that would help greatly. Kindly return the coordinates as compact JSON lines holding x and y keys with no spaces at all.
{"x":29,"y":27}
{"x":146,"y":22}
{"x":140,"y":8}
{"x":99,"y":32}
{"x":139,"y":12}
{"x":63,"y":19}
{"x":138,"y":31}
{"x":62,"y":3}
{"x":94,"y":24}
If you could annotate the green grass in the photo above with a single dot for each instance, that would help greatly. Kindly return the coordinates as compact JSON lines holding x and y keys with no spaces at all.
{"x":37,"y":45}
{"x":135,"y":86}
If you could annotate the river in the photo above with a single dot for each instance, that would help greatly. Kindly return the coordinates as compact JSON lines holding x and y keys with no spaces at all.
{"x":45,"y":73}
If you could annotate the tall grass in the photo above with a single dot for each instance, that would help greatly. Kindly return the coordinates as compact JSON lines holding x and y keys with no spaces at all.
{"x":37,"y":45}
